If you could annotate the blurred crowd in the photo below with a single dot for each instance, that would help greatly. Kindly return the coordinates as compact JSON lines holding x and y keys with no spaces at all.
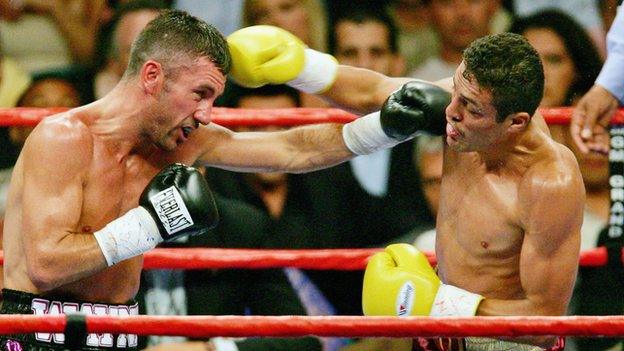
{"x":66,"y":53}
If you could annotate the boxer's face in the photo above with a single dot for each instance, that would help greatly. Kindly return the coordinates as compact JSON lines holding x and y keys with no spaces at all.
{"x":186,"y":100}
{"x":471,"y":117}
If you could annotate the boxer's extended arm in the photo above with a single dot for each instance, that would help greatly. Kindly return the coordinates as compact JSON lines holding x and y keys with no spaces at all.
{"x":296,"y":150}
{"x":270,"y":55}
{"x":52,"y":203}
{"x":417,"y":106}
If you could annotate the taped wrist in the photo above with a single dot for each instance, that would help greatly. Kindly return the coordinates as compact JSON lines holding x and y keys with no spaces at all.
{"x":127,"y":236}
{"x":365,"y":135}
{"x":318,"y":74}
{"x":453,"y":301}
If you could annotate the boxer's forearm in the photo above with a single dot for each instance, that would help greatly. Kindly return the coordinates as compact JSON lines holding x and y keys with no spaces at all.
{"x":361,"y":90}
{"x":73,"y":257}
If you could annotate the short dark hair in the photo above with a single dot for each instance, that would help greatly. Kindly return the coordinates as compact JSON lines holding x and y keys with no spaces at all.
{"x":234,"y":93}
{"x":510,"y":68}
{"x":362,"y":15}
{"x":580,"y":47}
{"x":176,"y":34}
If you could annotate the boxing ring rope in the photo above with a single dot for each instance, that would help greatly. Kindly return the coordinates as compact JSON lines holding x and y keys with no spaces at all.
{"x":319,"y":259}
{"x":230,"y":117}
{"x":336,"y":259}
{"x":330,"y":326}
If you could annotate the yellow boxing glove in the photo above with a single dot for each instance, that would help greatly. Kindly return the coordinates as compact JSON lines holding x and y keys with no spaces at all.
{"x":270,"y":55}
{"x":400,"y":282}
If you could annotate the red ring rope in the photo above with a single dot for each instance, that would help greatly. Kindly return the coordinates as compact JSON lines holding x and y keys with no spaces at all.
{"x":29,"y":116}
{"x":322,"y":259}
{"x":347,"y":326}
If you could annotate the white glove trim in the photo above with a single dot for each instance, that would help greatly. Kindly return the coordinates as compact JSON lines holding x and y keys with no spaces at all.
{"x":318,"y":74}
{"x":365,"y":136}
{"x":127,"y":236}
{"x":453,"y":301}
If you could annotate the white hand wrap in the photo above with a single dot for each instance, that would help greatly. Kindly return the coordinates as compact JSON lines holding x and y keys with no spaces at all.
{"x":365,"y":136}
{"x":318,"y":74}
{"x":127,"y":236}
{"x":453,"y":301}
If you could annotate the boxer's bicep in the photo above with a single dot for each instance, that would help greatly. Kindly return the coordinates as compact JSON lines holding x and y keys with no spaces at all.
{"x":550,"y":248}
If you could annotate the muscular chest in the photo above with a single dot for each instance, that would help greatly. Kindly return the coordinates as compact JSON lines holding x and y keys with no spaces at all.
{"x":113,"y":188}
{"x":479,"y":212}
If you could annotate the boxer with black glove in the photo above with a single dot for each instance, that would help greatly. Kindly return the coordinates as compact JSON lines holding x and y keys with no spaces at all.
{"x":416,"y":106}
{"x":175,"y":203}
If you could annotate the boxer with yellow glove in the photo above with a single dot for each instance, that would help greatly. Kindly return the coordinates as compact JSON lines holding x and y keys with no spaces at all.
{"x":270,"y":55}
{"x":400,"y":282}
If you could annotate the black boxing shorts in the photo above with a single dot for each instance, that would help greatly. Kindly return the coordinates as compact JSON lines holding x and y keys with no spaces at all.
{"x":19,"y":302}
{"x":477,"y":344}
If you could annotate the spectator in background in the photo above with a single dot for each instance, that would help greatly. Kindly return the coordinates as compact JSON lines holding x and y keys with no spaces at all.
{"x":306,"y":19}
{"x":571,"y":61}
{"x":585,"y":12}
{"x":46,"y":35}
{"x":132,"y":17}
{"x":225,"y":15}
{"x":417,"y":39}
{"x":366,"y":38}
{"x":458,"y":23}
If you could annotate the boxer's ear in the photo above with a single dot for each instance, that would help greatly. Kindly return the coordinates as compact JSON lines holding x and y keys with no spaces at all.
{"x":151,"y":76}
{"x":519,"y":121}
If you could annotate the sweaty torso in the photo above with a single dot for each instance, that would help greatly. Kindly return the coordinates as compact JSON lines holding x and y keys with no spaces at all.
{"x":111,"y":187}
{"x":478,"y":234}
{"x":480,"y":231}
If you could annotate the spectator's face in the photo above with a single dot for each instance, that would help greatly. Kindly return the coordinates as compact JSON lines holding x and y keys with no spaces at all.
{"x":49,"y":92}
{"x":264,"y":102}
{"x":460,"y":22}
{"x":290,"y":15}
{"x":128,"y":28}
{"x":366,"y":45}
{"x":559,"y":70}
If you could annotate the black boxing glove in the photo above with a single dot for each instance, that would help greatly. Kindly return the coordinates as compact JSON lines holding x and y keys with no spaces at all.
{"x":417,"y":106}
{"x":176,"y":202}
